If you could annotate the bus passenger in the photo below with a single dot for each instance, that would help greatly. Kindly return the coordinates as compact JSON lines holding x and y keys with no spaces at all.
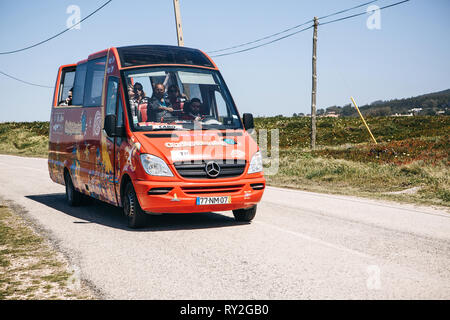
{"x":139,"y":102}
{"x":68,"y":100}
{"x":176,"y":99}
{"x":158,"y":106}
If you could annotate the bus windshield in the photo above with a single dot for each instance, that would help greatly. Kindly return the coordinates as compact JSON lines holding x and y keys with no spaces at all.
{"x":179,"y":98}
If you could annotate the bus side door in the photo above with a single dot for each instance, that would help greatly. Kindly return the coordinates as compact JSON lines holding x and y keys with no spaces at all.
{"x":114,"y":106}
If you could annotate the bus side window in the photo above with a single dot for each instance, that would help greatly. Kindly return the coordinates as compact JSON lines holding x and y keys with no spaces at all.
{"x":94,"y":82}
{"x":120,"y":112}
{"x":111,"y":97}
{"x":78,"y":87}
{"x":114,"y":104}
{"x":67,"y":80}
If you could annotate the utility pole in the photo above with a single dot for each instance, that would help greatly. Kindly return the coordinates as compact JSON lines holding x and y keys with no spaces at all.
{"x":314,"y":86}
{"x":176,"y":7}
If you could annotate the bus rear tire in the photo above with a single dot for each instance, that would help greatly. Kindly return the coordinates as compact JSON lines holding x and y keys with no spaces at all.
{"x":245,"y":215}
{"x":73,"y":197}
{"x":133,"y":211}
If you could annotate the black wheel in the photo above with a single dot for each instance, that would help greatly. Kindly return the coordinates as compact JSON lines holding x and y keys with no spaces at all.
{"x":73,"y":197}
{"x":245,"y":215}
{"x":132,"y":209}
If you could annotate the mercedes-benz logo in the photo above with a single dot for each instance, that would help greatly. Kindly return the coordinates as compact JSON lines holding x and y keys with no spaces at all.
{"x":212,"y":169}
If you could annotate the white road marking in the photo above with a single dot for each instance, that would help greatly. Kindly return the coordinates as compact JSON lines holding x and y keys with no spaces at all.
{"x":316,"y":240}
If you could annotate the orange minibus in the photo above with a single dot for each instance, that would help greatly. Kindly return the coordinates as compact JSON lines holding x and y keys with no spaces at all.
{"x":153,"y":129}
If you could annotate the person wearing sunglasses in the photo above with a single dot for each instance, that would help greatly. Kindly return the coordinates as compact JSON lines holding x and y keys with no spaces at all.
{"x":138,"y":102}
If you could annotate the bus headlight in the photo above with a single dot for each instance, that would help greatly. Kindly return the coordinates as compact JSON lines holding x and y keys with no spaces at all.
{"x":155,"y":166}
{"x":256,"y":164}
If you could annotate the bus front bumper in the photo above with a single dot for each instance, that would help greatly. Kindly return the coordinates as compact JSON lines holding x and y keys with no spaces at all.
{"x":183,"y":197}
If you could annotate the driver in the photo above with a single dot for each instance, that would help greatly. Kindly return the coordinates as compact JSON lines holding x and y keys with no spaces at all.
{"x":193,"y":110}
{"x":158,"y":106}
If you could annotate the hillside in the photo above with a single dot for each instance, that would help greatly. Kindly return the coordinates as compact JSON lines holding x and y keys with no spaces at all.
{"x":295,"y":131}
{"x":426,"y":104}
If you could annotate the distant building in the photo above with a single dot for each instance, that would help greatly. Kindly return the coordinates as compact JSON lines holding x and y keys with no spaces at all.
{"x":415,"y":110}
{"x":402,"y":115}
{"x":331,"y":114}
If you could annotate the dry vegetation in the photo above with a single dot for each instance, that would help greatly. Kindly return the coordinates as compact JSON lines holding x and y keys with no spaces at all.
{"x":30,"y":268}
{"x":24,"y":138}
{"x":410,"y":163}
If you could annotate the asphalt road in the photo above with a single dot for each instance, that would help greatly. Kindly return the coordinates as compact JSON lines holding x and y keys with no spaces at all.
{"x":301,"y":245}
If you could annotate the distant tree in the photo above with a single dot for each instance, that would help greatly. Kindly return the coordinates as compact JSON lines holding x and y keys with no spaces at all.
{"x":320,"y":112}
{"x":348,"y":110}
{"x":294,"y":115}
{"x":427,"y":112}
{"x":335,"y":109}
{"x":377,"y":102}
{"x":436,"y":101}
{"x":378,"y":112}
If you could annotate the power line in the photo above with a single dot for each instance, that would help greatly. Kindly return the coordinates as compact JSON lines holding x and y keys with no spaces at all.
{"x":289,"y":29}
{"x":264,"y":44}
{"x":260,"y":39}
{"x":26,"y":82}
{"x":360,"y":14}
{"x":346,"y":10}
{"x":294,"y":33}
{"x":56,"y":35}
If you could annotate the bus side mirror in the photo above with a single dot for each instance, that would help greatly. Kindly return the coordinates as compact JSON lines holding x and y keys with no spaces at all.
{"x":120,"y":132}
{"x":110,"y":125}
{"x":248,"y":121}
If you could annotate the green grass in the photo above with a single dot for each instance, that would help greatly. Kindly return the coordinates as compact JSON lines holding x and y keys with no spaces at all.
{"x":301,"y":170}
{"x":413,"y":152}
{"x":29,"y":267}
{"x":24,"y":138}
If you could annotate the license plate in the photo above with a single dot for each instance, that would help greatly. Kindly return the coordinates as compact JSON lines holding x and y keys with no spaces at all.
{"x":213,"y":200}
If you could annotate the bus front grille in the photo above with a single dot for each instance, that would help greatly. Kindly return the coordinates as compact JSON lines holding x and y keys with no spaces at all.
{"x":212,"y":189}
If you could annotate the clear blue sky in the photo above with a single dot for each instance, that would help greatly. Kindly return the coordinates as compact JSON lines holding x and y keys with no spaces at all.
{"x":407,"y":57}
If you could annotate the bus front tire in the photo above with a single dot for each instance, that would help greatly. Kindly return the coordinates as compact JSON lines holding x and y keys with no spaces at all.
{"x":73,"y":197}
{"x":132,"y":209}
{"x":245,"y":215}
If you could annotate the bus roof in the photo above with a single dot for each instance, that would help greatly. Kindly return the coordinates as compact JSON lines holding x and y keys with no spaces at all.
{"x":133,"y":56}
